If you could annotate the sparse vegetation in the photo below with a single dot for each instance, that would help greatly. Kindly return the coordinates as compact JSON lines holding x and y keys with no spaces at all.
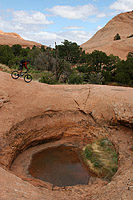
{"x":68,"y":63}
{"x":5,"y":68}
{"x":48,"y":78}
{"x":102,"y":158}
{"x":130,"y":36}
{"x":76,"y":78}
{"x":117,"y":37}
{"x":96,"y":78}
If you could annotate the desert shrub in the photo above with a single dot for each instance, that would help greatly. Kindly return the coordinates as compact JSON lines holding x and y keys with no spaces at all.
{"x":48,"y":78}
{"x":95,"y":78}
{"x":76,"y":78}
{"x":5,"y":54}
{"x":25,"y":52}
{"x":44,"y":61}
{"x":14,"y":62}
{"x":98,"y":60}
{"x":82,"y":68}
{"x":117,"y":37}
{"x":16,"y":49}
{"x":130,"y":55}
{"x":32,"y":55}
{"x":124,"y":72}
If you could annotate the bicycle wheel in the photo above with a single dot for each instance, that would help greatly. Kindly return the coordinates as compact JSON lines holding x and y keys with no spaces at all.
{"x":15,"y":75}
{"x":27,"y":78}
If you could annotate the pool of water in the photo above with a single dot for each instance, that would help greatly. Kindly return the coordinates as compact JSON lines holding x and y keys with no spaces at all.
{"x":60,"y":166}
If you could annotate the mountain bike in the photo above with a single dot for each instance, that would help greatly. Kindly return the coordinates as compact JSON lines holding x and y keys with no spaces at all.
{"x":27,"y":77}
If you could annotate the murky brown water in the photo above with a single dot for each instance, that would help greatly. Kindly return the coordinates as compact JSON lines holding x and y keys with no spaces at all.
{"x":60,"y":166}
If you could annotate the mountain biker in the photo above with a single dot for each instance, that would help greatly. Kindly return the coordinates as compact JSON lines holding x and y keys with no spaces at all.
{"x":23,"y":63}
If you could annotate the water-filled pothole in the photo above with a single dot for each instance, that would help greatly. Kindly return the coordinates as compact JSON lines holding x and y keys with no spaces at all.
{"x":60,"y":166}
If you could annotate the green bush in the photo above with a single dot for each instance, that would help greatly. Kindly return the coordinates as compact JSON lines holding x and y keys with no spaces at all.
{"x":76,"y":78}
{"x":95,"y":78}
{"x":16,"y":49}
{"x":124,"y":72}
{"x":83,"y":68}
{"x":48,"y":78}
{"x":117,"y":37}
{"x":5,"y":54}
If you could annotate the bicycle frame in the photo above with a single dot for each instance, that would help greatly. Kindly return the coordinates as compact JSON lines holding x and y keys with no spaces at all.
{"x":23,"y":73}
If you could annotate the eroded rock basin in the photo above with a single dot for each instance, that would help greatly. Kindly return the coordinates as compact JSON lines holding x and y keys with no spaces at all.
{"x":57,"y":163}
{"x":60,"y":166}
{"x":20,"y":166}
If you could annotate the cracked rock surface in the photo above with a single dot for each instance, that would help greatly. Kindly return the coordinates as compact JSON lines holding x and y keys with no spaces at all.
{"x":36,"y":113}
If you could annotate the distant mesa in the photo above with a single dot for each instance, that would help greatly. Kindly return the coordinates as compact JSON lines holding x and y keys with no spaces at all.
{"x":14,"y":38}
{"x":11,"y":34}
{"x":104,"y":41}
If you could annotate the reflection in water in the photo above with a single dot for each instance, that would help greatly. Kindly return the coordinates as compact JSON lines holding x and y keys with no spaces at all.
{"x":60,"y":166}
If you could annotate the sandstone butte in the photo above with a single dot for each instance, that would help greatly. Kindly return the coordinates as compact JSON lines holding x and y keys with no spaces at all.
{"x":14,"y":38}
{"x":36,"y":113}
{"x":103,"y":40}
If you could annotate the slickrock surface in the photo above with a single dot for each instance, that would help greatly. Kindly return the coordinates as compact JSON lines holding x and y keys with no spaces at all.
{"x":103,"y":40}
{"x":36,"y":113}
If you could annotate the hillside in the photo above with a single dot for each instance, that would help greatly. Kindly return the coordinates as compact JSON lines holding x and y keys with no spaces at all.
{"x":13,"y":38}
{"x":103,"y":40}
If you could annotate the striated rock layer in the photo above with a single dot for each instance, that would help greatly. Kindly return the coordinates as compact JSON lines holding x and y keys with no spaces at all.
{"x":36,"y":113}
{"x":103,"y":40}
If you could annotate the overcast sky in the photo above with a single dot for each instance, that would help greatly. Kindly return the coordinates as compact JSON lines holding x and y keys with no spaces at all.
{"x":48,"y":21}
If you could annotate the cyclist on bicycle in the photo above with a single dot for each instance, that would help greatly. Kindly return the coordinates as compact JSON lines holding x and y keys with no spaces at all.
{"x":23,"y":63}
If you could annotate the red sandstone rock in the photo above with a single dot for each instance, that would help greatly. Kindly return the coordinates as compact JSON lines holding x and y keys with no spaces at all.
{"x":14,"y":38}
{"x":103,"y":40}
{"x":34,"y":113}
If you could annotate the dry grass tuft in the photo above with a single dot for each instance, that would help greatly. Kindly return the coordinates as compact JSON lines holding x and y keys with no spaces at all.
{"x":5,"y":68}
{"x":102,"y":158}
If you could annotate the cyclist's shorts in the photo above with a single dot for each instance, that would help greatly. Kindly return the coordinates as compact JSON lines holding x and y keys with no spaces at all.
{"x":20,"y":67}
